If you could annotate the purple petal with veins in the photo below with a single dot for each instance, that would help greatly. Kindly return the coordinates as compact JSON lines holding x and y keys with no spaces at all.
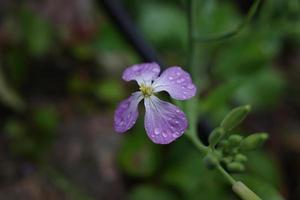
{"x":176,"y":82}
{"x":142,"y":73}
{"x":127,"y":113}
{"x":164,"y":122}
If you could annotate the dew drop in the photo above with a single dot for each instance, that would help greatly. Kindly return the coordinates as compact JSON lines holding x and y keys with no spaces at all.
{"x":156,"y":131}
{"x":180,"y":80}
{"x":171,"y":78}
{"x":178,"y":73}
{"x":155,"y":70}
{"x":164,"y":135}
{"x":135,"y":68}
{"x":174,"y":135}
{"x":190,"y":86}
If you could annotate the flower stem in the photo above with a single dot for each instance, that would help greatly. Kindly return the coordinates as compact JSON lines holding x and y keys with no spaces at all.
{"x":195,"y":69}
{"x":244,"y":192}
{"x":225,"y":174}
{"x":198,"y":73}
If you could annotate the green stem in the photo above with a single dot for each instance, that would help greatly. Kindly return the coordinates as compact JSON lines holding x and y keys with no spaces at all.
{"x":200,"y":146}
{"x":244,"y":192}
{"x":234,"y":32}
{"x":197,"y":71}
{"x":226,"y":175}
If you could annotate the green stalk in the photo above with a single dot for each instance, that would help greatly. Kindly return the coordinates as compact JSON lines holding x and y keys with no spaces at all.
{"x":238,"y":29}
{"x":195,"y":69}
{"x":197,"y":72}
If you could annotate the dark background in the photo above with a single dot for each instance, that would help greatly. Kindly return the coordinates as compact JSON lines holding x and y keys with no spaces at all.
{"x":60,"y":81}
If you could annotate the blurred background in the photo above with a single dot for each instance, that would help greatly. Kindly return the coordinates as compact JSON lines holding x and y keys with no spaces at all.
{"x":60,"y":80}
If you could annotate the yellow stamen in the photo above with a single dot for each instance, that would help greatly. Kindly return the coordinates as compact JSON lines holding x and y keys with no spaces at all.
{"x":147,"y":91}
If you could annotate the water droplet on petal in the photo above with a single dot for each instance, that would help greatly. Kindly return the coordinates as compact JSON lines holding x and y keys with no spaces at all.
{"x":174,"y":135}
{"x":180,"y":80}
{"x":164,"y":135}
{"x":155,"y":70}
{"x":156,"y":131}
{"x":135,"y":68}
{"x":171,"y":78}
{"x":190,"y":86}
{"x":178,"y":73}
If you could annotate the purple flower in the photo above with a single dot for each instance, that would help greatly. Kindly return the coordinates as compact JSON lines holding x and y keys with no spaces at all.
{"x":164,"y":122}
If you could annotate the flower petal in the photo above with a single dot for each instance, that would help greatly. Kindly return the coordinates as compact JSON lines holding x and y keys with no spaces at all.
{"x":176,"y":82}
{"x":127,"y":113}
{"x":142,"y":73}
{"x":164,"y":122}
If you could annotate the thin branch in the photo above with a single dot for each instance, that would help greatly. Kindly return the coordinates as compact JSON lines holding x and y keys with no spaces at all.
{"x":229,"y":34}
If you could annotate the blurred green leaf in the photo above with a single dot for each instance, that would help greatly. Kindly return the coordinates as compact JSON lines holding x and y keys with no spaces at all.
{"x":149,"y":192}
{"x":216,"y":103}
{"x":110,"y":90}
{"x":8,"y":96}
{"x":263,"y":90}
{"x":216,"y":17}
{"x":46,"y":118}
{"x":109,"y":39}
{"x":185,"y":171}
{"x":247,"y":54}
{"x":14,"y":128}
{"x":37,"y":32}
{"x":264,"y":167}
{"x":163,"y":24}
{"x":138,"y":156}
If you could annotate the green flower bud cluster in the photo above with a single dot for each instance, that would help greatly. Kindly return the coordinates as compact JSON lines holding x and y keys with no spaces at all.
{"x":229,"y":149}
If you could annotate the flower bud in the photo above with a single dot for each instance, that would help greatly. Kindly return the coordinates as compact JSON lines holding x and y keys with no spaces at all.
{"x":234,"y":140}
{"x":240,"y":158}
{"x":227,"y":159}
{"x":223,"y":144}
{"x":235,"y":167}
{"x":253,"y":141}
{"x":210,"y":161}
{"x":236,"y":116}
{"x":215,"y":136}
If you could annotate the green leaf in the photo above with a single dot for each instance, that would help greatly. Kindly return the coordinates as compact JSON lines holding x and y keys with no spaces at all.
{"x":150,"y":192}
{"x":163,"y":24}
{"x":138,"y":156}
{"x":110,"y":90}
{"x":263,"y":90}
{"x":8,"y":96}
{"x":187,"y":174}
{"x":37,"y":33}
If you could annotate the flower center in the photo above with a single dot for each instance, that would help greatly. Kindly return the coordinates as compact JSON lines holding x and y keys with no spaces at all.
{"x":147,"y":91}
